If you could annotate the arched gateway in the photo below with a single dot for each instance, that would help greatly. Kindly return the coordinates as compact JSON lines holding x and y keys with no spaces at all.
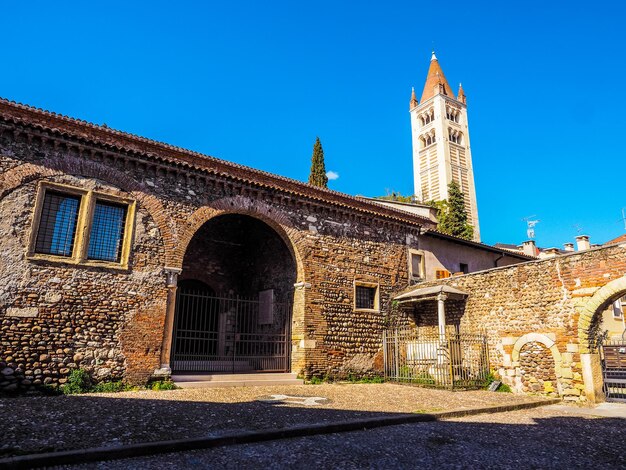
{"x":234,"y":298}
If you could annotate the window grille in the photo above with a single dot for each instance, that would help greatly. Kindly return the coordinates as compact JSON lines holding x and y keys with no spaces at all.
{"x":365,"y":297}
{"x":57,"y":224}
{"x":107,"y":232}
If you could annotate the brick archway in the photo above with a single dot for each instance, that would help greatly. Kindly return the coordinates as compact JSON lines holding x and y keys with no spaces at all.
{"x":600,"y":299}
{"x":282,"y":226}
{"x":244,"y":206}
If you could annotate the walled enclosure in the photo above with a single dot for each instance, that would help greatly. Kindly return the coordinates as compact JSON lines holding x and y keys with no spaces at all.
{"x":538,"y":309}
{"x":116,"y":321}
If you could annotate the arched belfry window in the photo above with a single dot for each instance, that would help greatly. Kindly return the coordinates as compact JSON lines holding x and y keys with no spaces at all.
{"x":452,"y":114}
{"x":427,"y":117}
{"x":455,"y":136}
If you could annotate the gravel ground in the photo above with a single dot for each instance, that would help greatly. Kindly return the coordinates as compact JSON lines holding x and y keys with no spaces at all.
{"x":537,"y":438}
{"x":46,"y":424}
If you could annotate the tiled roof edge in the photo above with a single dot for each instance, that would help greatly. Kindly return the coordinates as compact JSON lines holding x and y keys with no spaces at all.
{"x":63,"y":124}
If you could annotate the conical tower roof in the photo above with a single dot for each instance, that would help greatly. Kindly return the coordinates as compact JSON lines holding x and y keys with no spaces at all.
{"x":435,"y":77}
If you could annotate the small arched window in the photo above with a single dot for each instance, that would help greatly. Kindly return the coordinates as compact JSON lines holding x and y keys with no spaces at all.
{"x":454,"y":136}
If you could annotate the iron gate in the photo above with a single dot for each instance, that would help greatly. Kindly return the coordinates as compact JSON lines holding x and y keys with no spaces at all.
{"x":229,"y":334}
{"x":613,"y":356}
{"x":453,"y":361}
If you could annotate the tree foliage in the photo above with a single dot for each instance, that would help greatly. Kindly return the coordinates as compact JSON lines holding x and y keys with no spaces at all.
{"x":452,"y":214}
{"x":396,"y":196}
{"x":318,"y":177}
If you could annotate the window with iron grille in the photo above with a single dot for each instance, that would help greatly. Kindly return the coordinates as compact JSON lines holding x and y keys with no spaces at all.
{"x":81,"y":226}
{"x":365,"y":297}
{"x":57,"y":224}
{"x":107,"y":231}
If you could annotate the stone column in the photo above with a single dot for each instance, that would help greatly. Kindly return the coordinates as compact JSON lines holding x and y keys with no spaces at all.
{"x":592,"y":377}
{"x":171,"y":282}
{"x":300,"y":343}
{"x":441,"y":315}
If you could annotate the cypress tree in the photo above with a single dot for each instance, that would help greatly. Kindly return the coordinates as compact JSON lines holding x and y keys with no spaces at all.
{"x":453,"y":216}
{"x":318,"y":177}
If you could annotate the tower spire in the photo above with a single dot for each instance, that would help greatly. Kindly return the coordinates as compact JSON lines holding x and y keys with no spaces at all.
{"x":435,"y":81}
{"x":461,"y":95}
{"x":413,"y":103}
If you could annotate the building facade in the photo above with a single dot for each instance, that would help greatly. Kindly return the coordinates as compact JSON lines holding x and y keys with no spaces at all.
{"x":122,"y":256}
{"x":441,"y":143}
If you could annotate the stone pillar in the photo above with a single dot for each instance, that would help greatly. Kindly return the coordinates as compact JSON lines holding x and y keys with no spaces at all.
{"x":592,"y":377}
{"x":300,"y":343}
{"x":171,"y":282}
{"x":441,"y":315}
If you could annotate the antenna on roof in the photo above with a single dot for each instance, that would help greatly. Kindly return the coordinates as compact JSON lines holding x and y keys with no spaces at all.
{"x":624,"y":216}
{"x":530,"y":226}
{"x":579,"y":228}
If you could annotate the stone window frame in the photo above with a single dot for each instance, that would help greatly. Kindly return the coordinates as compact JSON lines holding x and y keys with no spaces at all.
{"x":422,"y":274}
{"x":88,"y":200}
{"x":374,"y":285}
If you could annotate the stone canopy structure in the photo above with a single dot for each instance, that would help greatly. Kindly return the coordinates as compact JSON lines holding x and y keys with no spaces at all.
{"x":111,"y":243}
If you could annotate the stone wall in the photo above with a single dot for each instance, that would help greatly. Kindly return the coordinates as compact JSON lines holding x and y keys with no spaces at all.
{"x":555,"y":304}
{"x":54,"y":318}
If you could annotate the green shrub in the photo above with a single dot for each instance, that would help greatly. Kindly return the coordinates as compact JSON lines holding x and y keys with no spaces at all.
{"x":365,"y":380}
{"x":77,"y":382}
{"x":315,"y":380}
{"x":111,"y":387}
{"x":492,"y":377}
{"x":504,"y":388}
{"x":159,"y":385}
{"x":423,"y":378}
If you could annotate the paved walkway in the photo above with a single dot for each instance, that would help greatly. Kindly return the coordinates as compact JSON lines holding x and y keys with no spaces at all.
{"x":52,"y":424}
{"x":547,"y":437}
{"x":606,"y":410}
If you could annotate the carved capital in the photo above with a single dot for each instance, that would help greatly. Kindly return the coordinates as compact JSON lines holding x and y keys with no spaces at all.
{"x":171,"y":276}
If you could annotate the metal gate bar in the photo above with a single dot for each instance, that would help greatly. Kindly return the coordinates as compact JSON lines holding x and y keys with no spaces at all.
{"x":453,"y":360}
{"x":228,"y":334}
{"x":613,"y":358}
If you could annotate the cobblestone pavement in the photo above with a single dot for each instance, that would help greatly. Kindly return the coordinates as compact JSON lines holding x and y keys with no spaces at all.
{"x":549,"y":437}
{"x":46,"y":424}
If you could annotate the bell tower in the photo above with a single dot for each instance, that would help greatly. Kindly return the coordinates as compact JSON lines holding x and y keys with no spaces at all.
{"x":441,"y":145}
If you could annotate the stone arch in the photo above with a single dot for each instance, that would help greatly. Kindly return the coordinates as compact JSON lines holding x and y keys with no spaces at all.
{"x":278,"y":222}
{"x":548,"y":343}
{"x":28,"y":172}
{"x":593,"y":306}
{"x":270,"y":215}
{"x":540,"y":338}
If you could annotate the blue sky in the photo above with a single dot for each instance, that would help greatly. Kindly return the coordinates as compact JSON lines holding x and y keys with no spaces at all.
{"x":256,"y":82}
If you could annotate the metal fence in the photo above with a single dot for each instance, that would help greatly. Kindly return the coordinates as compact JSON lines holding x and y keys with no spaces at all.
{"x":230,"y":334}
{"x":613,"y":356}
{"x":452,"y":361}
